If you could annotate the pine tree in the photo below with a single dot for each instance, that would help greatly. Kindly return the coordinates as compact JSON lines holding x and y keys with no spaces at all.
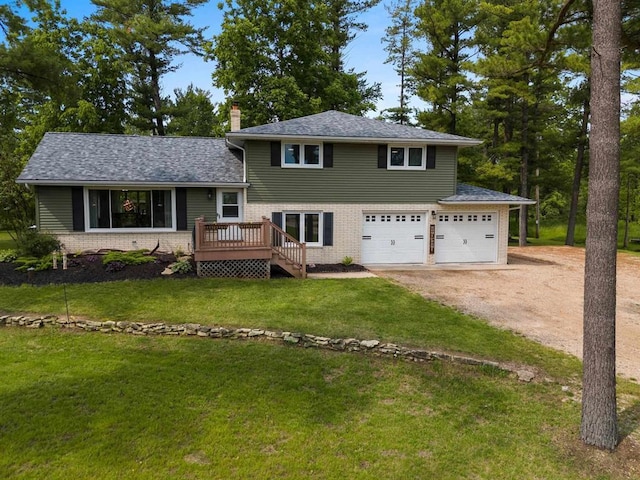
{"x":399,"y":39}
{"x":151,"y":35}
{"x":599,"y":417}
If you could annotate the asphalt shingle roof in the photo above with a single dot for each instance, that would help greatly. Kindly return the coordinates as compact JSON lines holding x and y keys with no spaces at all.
{"x":95,"y":158}
{"x":472,"y":194}
{"x":337,"y":125}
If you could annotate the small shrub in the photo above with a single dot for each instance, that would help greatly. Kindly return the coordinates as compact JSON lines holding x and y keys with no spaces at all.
{"x":37,"y":244}
{"x":115,"y":266}
{"x":346,"y":261}
{"x":182,"y":266}
{"x":7,"y":256}
{"x":178,"y":252}
{"x":133,"y":257}
{"x":37,"y":264}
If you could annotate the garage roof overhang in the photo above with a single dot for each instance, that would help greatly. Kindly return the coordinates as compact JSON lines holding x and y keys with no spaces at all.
{"x":472,"y":195}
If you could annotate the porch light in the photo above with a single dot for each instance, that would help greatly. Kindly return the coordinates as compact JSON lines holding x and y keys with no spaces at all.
{"x":210,"y":194}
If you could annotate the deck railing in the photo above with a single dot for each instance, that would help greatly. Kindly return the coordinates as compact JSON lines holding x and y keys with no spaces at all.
{"x":214,"y":236}
{"x":288,"y":247}
{"x":224,"y":237}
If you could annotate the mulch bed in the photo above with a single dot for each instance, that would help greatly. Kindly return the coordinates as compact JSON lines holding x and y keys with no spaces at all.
{"x":90,"y":269}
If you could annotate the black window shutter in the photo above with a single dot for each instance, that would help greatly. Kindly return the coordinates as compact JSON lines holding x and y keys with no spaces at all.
{"x":431,"y":156}
{"x":382,"y":156}
{"x":181,"y":208}
{"x":275,"y":154}
{"x":327,"y":160}
{"x":276,"y":217}
{"x":327,"y":229}
{"x":77,"y":208}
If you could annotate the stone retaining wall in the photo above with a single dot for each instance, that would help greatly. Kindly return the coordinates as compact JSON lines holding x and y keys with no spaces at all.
{"x":374,"y":347}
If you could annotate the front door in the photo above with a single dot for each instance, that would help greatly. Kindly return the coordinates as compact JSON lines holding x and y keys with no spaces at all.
{"x":229,"y":206}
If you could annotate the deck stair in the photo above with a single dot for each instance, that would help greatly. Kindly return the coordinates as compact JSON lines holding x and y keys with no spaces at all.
{"x":249,"y":241}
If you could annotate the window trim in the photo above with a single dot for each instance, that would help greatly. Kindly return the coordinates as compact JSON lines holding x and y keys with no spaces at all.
{"x":302,"y":163}
{"x":406,"y":166}
{"x":149,"y":188}
{"x":302,"y":213}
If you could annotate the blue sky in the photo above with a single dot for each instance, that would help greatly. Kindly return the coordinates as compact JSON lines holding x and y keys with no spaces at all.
{"x":365,"y":53}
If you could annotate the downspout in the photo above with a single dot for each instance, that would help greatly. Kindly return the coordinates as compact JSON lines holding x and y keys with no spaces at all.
{"x":228,"y":143}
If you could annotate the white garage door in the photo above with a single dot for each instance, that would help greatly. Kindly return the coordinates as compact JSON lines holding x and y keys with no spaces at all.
{"x":466,"y":238}
{"x":393,"y":238}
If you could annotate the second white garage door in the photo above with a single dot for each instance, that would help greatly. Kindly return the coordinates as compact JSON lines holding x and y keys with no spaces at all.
{"x":393,"y":238}
{"x":466,"y":237}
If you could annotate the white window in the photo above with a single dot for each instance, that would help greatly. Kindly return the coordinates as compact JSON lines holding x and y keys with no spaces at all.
{"x":301,"y":155}
{"x":406,"y":158}
{"x":130,"y":209}
{"x":305,"y":227}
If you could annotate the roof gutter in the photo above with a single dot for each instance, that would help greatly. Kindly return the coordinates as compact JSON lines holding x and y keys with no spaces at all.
{"x":461,"y":142}
{"x":130,"y":184}
{"x":488,"y":202}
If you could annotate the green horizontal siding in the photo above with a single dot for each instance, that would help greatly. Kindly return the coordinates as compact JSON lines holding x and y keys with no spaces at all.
{"x":198,"y":204}
{"x":54,"y":213}
{"x":354,"y":178}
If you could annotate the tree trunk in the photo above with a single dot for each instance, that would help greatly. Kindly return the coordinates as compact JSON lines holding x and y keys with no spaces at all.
{"x":524,"y":175}
{"x":155,"y":95}
{"x":599,"y":417}
{"x":627,"y":216}
{"x":577,"y":173}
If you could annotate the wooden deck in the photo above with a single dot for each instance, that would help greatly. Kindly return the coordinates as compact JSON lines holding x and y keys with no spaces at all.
{"x":248,"y":241}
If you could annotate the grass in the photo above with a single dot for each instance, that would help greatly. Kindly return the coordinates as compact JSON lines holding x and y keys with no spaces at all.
{"x":76,"y":405}
{"x":362,"y":308}
{"x":115,"y":406}
{"x":555,"y":233}
{"x":6,"y":242}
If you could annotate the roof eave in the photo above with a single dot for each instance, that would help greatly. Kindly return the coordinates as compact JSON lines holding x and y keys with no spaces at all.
{"x":86,"y":183}
{"x":377,"y":140}
{"x":486,"y":202}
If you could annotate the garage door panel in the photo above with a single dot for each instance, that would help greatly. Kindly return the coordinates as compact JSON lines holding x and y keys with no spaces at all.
{"x":466,"y":237}
{"x":393,"y":238}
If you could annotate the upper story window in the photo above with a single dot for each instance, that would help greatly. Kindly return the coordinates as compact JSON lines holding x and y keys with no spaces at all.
{"x":301,"y":155}
{"x":403,"y":157}
{"x":131,"y":209}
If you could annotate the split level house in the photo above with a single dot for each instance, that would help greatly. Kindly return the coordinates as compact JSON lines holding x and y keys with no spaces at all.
{"x":316,"y":189}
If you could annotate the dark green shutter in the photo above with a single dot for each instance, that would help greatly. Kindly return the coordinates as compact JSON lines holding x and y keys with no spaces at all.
{"x":327,"y":155}
{"x":275,"y":154}
{"x":382,"y":156}
{"x":276,"y":217}
{"x":181,"y":208}
{"x":77,"y":208}
{"x":327,"y":229}
{"x":431,"y":156}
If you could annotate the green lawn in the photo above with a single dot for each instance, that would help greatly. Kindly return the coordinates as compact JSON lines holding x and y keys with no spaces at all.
{"x":6,"y":242}
{"x":94,"y":406}
{"x":363,"y":308}
{"x":555,"y":233}
{"x":76,"y":405}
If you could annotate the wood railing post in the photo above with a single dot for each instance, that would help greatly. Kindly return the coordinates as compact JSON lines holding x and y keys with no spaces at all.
{"x":199,"y":236}
{"x":266,"y":232}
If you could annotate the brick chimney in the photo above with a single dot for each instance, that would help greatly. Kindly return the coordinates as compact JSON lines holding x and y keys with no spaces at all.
{"x":235,"y":117}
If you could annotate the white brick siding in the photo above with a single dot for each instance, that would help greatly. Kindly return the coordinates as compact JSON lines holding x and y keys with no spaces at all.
{"x":347,"y":230}
{"x":169,"y":241}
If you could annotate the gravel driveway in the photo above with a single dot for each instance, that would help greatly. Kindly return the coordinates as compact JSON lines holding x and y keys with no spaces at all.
{"x":539,"y":294}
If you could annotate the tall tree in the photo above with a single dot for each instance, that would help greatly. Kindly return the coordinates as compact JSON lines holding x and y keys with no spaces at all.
{"x":399,"y":39}
{"x":281,"y":60}
{"x":599,"y":417}
{"x":193,"y":114}
{"x":151,"y":34}
{"x":440,"y":74}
